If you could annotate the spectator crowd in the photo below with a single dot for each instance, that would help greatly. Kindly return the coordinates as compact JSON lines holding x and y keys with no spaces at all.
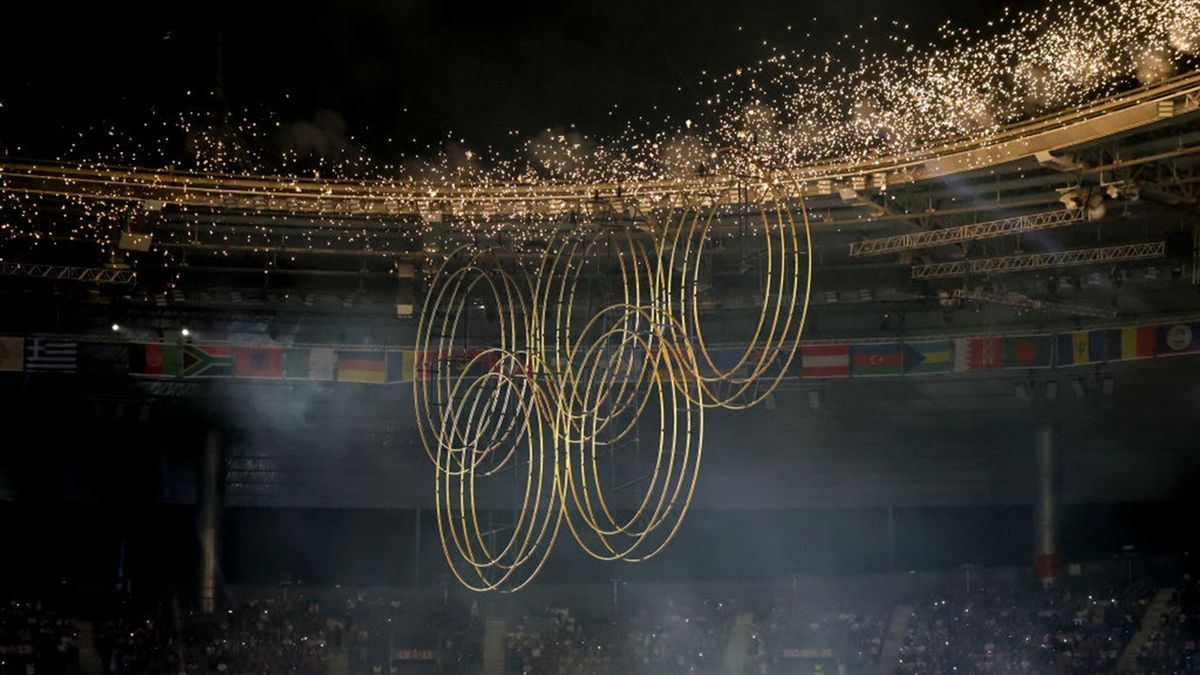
{"x":994,"y":631}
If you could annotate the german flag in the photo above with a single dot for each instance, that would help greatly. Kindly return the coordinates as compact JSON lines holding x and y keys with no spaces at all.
{"x":362,"y":366}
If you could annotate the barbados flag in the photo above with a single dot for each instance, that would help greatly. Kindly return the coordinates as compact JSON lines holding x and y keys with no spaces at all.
{"x":1082,"y":347}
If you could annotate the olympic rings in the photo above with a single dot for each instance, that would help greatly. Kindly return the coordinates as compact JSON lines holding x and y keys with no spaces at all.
{"x":565,"y":386}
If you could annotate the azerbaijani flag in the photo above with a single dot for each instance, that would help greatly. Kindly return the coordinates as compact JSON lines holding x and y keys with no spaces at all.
{"x":868,"y":360}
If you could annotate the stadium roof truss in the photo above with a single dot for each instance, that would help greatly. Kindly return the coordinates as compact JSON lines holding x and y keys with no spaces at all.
{"x":1036,"y":261}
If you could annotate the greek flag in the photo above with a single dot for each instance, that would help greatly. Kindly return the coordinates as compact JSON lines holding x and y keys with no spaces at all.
{"x":50,"y":356}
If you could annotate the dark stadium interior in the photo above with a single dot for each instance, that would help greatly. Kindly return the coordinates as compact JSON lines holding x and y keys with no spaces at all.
{"x":946,"y":394}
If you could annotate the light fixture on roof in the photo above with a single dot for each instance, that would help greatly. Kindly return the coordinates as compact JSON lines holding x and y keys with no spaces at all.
{"x":1095,"y":207}
{"x":1070,"y":198}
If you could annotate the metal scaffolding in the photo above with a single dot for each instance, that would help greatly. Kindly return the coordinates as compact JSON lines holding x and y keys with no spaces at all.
{"x":1026,"y":302}
{"x":951,"y":235}
{"x":99,"y":275}
{"x":1037,"y":261}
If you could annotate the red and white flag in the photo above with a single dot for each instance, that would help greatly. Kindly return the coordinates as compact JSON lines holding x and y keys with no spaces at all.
{"x":979,"y":353}
{"x":825,"y":360}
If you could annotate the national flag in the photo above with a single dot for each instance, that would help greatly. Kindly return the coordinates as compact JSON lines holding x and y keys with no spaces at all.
{"x":876,"y":359}
{"x":315,"y":363}
{"x":401,"y":366}
{"x":104,"y":359}
{"x":258,"y":362}
{"x":207,"y":361}
{"x":935,"y":356}
{"x":1180,"y":338}
{"x":1028,"y":351}
{"x":825,"y":360}
{"x":362,"y":366}
{"x":720,"y":361}
{"x":614,"y":364}
{"x":1137,"y":342}
{"x":51,"y":356}
{"x":1084,"y":346}
{"x":771,"y":365}
{"x":12,"y":354}
{"x":978,"y":353}
{"x":453,"y":362}
{"x":156,"y":359}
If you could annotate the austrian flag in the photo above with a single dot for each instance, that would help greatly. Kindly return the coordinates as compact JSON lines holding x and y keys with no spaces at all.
{"x":825,"y":360}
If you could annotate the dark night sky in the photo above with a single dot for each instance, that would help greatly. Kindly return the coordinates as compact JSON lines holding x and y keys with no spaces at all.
{"x":408,"y":68}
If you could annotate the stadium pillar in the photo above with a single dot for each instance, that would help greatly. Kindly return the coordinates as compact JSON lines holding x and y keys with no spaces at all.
{"x":417,"y":547}
{"x":891,"y":538}
{"x":1047,"y":563}
{"x":209,"y":499}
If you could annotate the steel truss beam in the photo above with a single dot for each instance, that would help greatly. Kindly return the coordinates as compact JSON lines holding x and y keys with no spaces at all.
{"x":950,"y":235}
{"x":98,"y":275}
{"x":1037,"y":261}
{"x":1026,"y":302}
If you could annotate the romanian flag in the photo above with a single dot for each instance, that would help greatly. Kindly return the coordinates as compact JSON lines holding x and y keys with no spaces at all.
{"x":1136,"y":342}
{"x":401,"y":366}
{"x":875,"y":359}
{"x":362,"y":366}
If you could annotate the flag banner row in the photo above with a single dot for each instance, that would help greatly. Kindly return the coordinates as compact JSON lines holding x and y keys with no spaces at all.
{"x":827,"y":359}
